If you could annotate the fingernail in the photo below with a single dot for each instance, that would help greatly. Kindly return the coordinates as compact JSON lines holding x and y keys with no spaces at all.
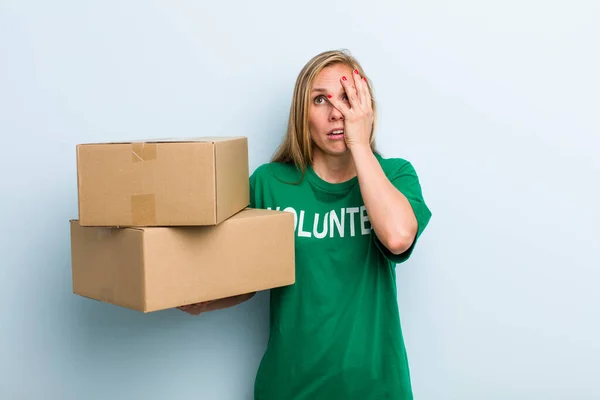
{"x":344,"y":78}
{"x":364,"y":79}
{"x":330,"y":96}
{"x":356,"y":71}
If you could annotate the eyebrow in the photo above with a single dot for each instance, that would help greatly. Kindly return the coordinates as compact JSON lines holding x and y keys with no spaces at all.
{"x":321,"y":90}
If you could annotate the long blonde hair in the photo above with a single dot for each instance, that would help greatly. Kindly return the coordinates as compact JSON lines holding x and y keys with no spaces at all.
{"x":297,"y":145}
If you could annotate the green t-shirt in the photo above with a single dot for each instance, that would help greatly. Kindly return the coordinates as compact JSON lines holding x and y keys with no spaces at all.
{"x":335,"y":333}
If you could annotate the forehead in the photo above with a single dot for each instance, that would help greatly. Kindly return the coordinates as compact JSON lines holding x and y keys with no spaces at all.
{"x":330,"y":76}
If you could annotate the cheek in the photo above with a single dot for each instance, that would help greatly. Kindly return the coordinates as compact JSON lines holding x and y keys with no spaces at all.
{"x":313,"y":124}
{"x":317,"y":119}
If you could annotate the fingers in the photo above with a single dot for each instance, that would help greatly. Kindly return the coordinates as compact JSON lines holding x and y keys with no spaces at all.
{"x":357,"y":90}
{"x":340,"y":105}
{"x":217,"y":304}
{"x":195,"y":311}
{"x":350,"y":87}
{"x":196,"y":308}
{"x":363,"y":89}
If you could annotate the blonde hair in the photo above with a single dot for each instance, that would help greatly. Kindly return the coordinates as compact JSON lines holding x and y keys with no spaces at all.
{"x":297,"y":145}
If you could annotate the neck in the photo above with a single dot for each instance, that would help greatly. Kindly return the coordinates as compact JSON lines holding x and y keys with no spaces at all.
{"x":333,"y":169}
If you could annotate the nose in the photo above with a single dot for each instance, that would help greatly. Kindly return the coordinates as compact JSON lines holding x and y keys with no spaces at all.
{"x":335,"y":114}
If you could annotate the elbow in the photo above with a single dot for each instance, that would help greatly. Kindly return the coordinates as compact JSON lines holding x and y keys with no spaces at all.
{"x":399,"y":242}
{"x":399,"y":245}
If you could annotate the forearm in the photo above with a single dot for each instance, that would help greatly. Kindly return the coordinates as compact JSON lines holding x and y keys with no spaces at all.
{"x":228,"y":302}
{"x":391,"y":215}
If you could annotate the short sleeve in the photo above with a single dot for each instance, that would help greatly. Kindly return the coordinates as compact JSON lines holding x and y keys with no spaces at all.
{"x":257,"y":186}
{"x":405,"y":179}
{"x":252,"y":190}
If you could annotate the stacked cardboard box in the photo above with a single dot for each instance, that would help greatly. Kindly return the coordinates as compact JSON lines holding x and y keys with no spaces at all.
{"x":166,"y":223}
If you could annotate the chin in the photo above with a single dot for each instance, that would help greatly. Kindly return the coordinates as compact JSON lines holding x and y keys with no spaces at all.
{"x":338,"y":149}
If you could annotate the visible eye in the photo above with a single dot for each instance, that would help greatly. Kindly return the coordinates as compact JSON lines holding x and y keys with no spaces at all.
{"x":345,"y":98}
{"x":319,"y":99}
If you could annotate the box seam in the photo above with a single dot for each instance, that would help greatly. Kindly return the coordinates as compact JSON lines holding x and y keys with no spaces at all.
{"x":216,"y":175}
{"x":77,"y":160}
{"x":142,"y":261}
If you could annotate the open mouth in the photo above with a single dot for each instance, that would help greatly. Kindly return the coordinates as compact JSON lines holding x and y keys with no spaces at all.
{"x":338,"y":132}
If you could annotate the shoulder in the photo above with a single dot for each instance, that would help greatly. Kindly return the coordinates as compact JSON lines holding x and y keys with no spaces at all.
{"x":395,"y":166}
{"x":284,"y":172}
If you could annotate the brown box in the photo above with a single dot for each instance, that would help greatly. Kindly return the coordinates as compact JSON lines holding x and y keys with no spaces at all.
{"x":194,"y":182}
{"x":155,"y":268}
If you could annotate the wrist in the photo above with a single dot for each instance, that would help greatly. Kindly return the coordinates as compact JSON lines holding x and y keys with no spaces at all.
{"x":363,"y":158}
{"x":360,"y":149}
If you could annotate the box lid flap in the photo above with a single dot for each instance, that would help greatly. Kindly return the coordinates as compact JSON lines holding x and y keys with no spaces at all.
{"x":136,"y":228}
{"x":205,"y":139}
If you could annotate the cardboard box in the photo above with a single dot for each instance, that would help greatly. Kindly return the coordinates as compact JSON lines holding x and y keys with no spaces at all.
{"x":200,"y":181}
{"x":155,"y":268}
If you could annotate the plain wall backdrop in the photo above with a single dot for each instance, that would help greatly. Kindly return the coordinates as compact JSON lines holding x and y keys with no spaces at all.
{"x":496,"y":103}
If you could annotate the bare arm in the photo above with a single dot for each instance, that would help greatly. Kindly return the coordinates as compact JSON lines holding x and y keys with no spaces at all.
{"x":212,"y":305}
{"x":390,"y":213}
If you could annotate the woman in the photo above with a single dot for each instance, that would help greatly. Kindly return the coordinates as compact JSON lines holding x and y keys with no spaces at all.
{"x":335,"y":333}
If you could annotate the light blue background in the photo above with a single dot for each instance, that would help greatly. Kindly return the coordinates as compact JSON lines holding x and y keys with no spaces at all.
{"x":495,"y":102}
